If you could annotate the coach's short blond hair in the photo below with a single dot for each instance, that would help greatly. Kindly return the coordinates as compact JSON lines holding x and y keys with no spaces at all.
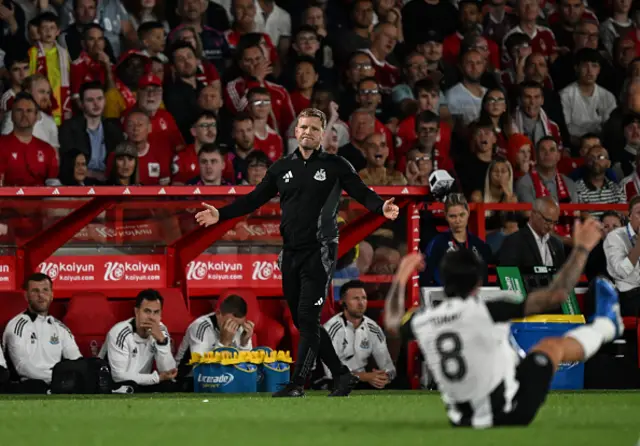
{"x":313,"y":113}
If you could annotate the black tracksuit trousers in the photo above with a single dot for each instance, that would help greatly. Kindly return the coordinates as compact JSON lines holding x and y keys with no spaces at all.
{"x":306,"y":277}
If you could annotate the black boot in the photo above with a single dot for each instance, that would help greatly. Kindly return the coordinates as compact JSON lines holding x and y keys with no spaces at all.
{"x":344,"y":384}
{"x":290,"y":390}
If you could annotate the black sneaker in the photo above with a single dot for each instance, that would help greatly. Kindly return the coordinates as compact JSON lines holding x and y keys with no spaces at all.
{"x":344,"y":384}
{"x":289,"y":390}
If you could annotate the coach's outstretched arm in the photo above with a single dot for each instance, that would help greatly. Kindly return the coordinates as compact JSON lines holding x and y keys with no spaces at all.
{"x":353,"y":185}
{"x":263,"y":192}
{"x":585,"y":237}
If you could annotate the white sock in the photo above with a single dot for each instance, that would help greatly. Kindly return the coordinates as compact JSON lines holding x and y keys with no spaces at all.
{"x":592,"y":336}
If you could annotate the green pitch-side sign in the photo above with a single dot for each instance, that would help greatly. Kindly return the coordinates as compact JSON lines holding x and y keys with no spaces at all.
{"x":511,"y":280}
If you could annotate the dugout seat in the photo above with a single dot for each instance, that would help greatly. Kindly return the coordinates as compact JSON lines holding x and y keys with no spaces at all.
{"x":89,"y":317}
{"x":267,"y":332}
{"x":11,"y":304}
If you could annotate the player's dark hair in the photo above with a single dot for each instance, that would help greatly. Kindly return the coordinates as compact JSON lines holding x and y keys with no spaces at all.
{"x":587,"y":136}
{"x":234,"y":305}
{"x":461,"y":272}
{"x":350,"y":285}
{"x":634,"y":201}
{"x":92,"y":85}
{"x":150,"y":295}
{"x":36,"y":277}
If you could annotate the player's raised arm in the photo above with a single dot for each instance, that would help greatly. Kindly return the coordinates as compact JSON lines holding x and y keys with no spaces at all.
{"x":394,"y":310}
{"x":263,"y":192}
{"x":585,"y":237}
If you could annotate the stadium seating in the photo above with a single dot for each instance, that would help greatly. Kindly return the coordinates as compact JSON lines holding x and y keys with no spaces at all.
{"x":89,"y":317}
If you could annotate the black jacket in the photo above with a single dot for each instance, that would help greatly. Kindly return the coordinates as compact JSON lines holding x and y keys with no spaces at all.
{"x":309,"y":196}
{"x":520,"y":249}
{"x":73,"y":135}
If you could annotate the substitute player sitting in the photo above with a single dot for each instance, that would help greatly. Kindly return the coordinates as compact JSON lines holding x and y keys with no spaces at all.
{"x":465,"y":340}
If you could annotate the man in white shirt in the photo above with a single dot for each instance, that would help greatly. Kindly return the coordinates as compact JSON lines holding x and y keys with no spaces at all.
{"x":276,"y":22}
{"x":356,"y":338}
{"x":586,"y":105}
{"x":622,"y":250}
{"x":35,"y":341}
{"x":465,"y":98}
{"x":45,"y":128}
{"x":226,"y":327}
{"x":134,"y":345}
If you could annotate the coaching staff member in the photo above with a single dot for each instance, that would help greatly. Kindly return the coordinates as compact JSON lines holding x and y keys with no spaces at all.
{"x":309,"y":182}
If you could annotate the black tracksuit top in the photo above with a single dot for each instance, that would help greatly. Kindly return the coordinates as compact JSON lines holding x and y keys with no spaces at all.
{"x":309,"y":196}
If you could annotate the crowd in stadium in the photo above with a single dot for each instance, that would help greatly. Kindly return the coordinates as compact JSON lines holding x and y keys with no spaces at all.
{"x":530,"y":101}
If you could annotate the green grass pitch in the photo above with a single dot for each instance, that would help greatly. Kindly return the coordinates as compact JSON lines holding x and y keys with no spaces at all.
{"x":365,"y":418}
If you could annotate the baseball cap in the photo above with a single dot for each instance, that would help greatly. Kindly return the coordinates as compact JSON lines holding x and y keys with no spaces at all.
{"x":148,"y":80}
{"x":126,"y":148}
{"x":430,"y":35}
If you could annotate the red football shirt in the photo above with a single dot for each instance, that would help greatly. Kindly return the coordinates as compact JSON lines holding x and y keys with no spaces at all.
{"x":185,"y":165}
{"x":271,"y":145}
{"x":84,"y":69}
{"x":387,"y":75}
{"x":29,"y":164}
{"x":299,"y":102}
{"x":542,"y":41}
{"x":154,"y":167}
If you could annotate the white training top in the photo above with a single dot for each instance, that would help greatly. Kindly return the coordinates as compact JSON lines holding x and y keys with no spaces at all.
{"x":131,"y":357}
{"x":35,"y":344}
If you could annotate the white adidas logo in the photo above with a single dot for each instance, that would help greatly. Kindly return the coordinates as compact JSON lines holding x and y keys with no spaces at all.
{"x":287,"y":177}
{"x":317,"y":304}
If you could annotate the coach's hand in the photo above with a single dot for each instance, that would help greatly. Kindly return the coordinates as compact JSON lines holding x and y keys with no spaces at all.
{"x":208,"y":217}
{"x":390,"y":210}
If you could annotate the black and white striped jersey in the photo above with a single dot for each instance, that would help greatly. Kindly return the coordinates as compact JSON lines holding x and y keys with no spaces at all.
{"x":467,"y":347}
{"x":35,"y":343}
{"x":132,"y":357}
{"x":355,"y":346}
{"x":202,"y":336}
